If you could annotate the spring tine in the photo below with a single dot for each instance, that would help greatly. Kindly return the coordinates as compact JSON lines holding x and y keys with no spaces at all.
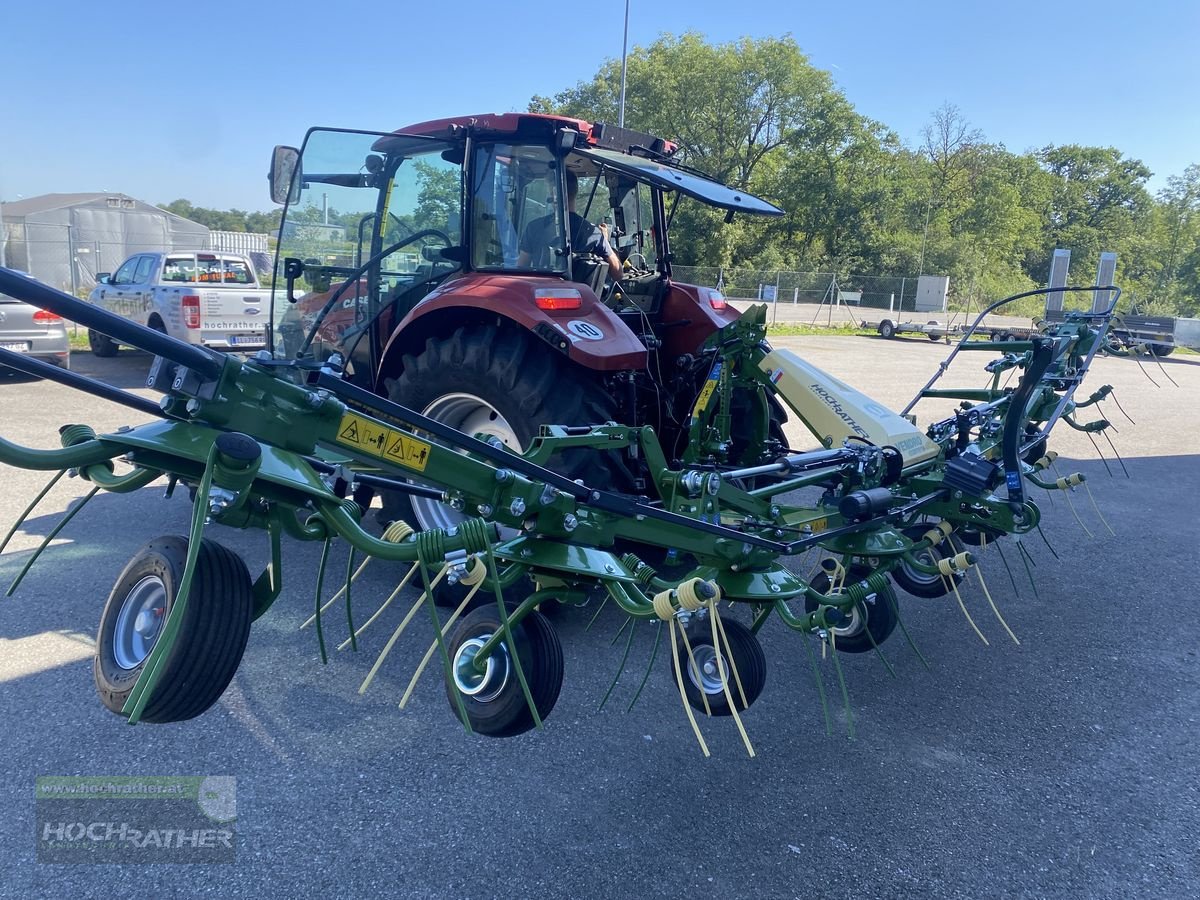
{"x":1100,"y":410}
{"x":349,"y":611}
{"x":1120,"y":407}
{"x":816,"y":670}
{"x":891,"y":599}
{"x":412,"y":570}
{"x":1027,"y":559}
{"x":510,"y":643}
{"x":320,"y":584}
{"x":1046,"y":541}
{"x":1096,"y":507}
{"x":1101,"y":455}
{"x":621,"y":668}
{"x":621,"y":630}
{"x":600,"y":609}
{"x":1115,"y":453}
{"x":870,"y":637}
{"x":1163,"y":370}
{"x":687,"y":708}
{"x":420,"y":670}
{"x":49,"y":537}
{"x":1137,"y":358}
{"x":1008,"y":569}
{"x":837,"y":667}
{"x":28,"y":509}
{"x":653,"y":655}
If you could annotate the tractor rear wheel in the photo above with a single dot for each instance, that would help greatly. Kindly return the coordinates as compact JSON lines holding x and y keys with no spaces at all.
{"x":502,"y":383}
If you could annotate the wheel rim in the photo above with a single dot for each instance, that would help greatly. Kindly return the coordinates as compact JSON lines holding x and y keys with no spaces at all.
{"x":482,"y":686}
{"x":707,"y":669}
{"x":471,"y":415}
{"x":139,"y":622}
{"x":929,"y":558}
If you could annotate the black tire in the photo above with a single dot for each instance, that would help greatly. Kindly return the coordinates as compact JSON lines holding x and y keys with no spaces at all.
{"x":212,"y":636}
{"x":917,"y":583}
{"x":526,"y":384}
{"x":887,"y":329}
{"x":705,"y":680}
{"x":935,"y":337}
{"x":496,"y":707}
{"x":1162,"y":350}
{"x":101,"y":345}
{"x":875,"y":618}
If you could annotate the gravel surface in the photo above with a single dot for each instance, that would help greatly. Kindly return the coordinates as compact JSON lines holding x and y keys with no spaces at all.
{"x":1063,"y":767}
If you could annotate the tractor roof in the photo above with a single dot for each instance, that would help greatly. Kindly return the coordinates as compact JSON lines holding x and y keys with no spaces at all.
{"x":541,"y":126}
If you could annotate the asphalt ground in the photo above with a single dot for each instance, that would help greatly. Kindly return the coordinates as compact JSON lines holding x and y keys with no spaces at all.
{"x":1062,"y":767}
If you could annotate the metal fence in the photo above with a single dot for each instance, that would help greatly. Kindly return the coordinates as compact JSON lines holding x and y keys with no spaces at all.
{"x":895,"y":293}
{"x":45,"y":259}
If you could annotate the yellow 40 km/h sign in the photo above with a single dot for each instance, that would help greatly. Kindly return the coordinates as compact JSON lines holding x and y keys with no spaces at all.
{"x":386,"y":443}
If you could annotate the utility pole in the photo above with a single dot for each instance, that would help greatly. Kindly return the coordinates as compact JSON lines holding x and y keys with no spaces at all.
{"x":3,"y":237}
{"x":624,"y":65}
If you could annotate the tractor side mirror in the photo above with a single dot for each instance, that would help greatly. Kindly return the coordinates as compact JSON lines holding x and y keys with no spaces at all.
{"x":285,"y":175}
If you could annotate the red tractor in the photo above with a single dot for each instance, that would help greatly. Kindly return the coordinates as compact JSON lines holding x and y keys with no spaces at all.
{"x":501,"y":272}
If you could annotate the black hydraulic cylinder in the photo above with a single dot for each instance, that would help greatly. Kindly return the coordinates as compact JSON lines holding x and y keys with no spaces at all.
{"x":204,"y":362}
{"x":866,"y":504}
{"x":42,"y":369}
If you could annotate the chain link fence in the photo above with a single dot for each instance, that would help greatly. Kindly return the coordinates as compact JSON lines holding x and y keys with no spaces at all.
{"x":819,"y":297}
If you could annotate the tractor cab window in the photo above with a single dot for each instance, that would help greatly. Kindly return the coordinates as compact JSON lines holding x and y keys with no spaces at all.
{"x":516,"y":218}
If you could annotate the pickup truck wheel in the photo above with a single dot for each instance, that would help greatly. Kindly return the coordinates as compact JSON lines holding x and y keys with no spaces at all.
{"x":503,"y":383}
{"x":101,"y":345}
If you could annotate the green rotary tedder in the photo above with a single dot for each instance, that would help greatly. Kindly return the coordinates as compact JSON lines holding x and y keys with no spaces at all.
{"x":285,"y":446}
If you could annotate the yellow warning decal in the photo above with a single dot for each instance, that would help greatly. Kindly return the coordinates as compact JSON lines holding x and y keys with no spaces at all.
{"x":707,"y":391}
{"x":386,"y":443}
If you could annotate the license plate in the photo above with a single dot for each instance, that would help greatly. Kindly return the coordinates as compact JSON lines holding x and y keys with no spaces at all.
{"x":248,"y":339}
{"x":15,"y":346}
{"x":819,"y":525}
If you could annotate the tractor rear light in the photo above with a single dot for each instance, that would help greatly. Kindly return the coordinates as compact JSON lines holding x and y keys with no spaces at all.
{"x":716,"y":299}
{"x":46,"y":317}
{"x":191,"y":310}
{"x":558,"y":298}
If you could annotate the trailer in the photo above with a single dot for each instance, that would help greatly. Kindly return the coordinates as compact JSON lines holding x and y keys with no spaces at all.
{"x":932,"y":329}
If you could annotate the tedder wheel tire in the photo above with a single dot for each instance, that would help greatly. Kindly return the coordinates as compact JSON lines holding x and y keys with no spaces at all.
{"x":887,"y":329}
{"x":875,"y":618}
{"x":211,"y":639}
{"x":918,"y":583}
{"x":101,"y":345}
{"x":702,"y":673}
{"x":494,"y":700}
{"x":504,"y":383}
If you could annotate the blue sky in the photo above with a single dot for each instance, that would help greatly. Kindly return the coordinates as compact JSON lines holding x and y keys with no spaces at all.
{"x":162,"y":101}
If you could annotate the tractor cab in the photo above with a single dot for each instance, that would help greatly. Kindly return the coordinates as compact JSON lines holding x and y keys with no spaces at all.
{"x":375,"y":224}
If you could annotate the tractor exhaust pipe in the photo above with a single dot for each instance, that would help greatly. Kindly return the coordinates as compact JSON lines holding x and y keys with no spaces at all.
{"x":204,"y":362}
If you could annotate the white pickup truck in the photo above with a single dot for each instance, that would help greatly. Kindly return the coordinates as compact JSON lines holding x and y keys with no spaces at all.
{"x":204,"y":298}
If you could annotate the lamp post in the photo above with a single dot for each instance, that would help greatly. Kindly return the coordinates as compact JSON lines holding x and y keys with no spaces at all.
{"x":624,"y":62}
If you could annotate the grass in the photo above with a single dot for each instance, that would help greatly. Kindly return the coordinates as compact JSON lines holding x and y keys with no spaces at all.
{"x":792,"y":329}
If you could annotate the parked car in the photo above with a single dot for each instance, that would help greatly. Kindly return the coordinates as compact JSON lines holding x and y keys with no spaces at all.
{"x":202,"y":298}
{"x":31,"y":331}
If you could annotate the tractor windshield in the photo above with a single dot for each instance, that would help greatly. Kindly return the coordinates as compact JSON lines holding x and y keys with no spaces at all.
{"x":364,"y":195}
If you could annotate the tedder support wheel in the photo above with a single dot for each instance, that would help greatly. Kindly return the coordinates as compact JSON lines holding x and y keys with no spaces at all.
{"x":101,"y":345}
{"x":867,"y":624}
{"x":503,"y":383}
{"x":708,"y":666}
{"x":920,"y":584}
{"x":493,"y":698}
{"x":887,"y":329}
{"x":211,"y":639}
